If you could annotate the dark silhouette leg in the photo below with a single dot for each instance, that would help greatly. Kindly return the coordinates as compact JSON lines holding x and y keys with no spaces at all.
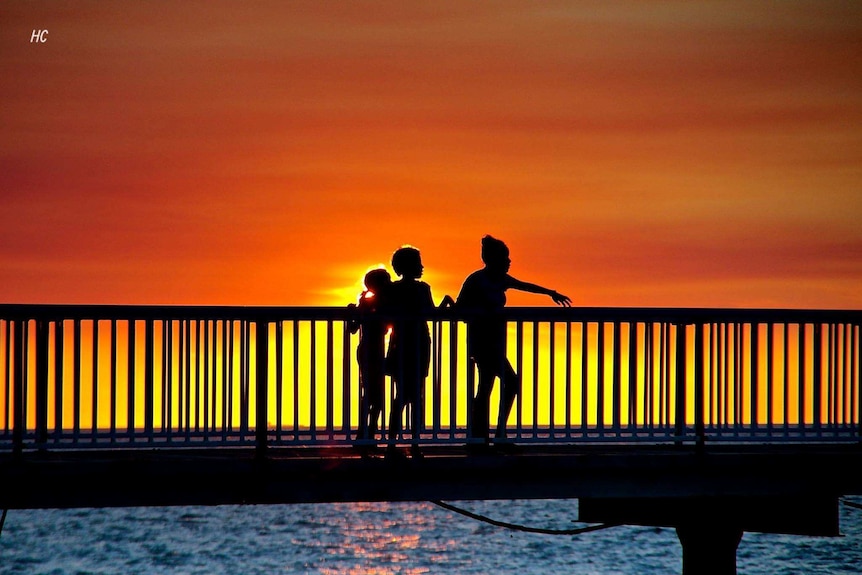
{"x":482,"y":403}
{"x":374,"y":411}
{"x":417,"y":407}
{"x":361,"y":433}
{"x":399,"y":402}
{"x":363,"y":415}
{"x":510,"y":387}
{"x":374,"y":400}
{"x":395,"y":418}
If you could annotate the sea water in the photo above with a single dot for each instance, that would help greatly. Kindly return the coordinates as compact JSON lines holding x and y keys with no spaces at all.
{"x":381,"y":539}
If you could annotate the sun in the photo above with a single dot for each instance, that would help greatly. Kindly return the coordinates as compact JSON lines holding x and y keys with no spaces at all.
{"x":351,"y":293}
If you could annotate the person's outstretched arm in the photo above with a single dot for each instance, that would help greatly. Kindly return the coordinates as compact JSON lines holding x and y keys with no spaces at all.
{"x":558,"y":298}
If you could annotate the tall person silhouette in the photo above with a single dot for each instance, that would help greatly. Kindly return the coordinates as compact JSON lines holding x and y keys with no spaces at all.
{"x":484,"y":294}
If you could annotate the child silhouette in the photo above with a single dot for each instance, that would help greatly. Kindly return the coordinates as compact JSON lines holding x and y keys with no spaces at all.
{"x":409,"y":355}
{"x":371,"y":351}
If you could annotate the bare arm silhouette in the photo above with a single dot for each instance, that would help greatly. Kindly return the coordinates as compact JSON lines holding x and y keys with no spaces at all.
{"x":558,"y":298}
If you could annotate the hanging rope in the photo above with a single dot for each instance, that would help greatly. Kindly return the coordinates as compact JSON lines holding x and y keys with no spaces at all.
{"x":3,"y":520}
{"x":525,"y":528}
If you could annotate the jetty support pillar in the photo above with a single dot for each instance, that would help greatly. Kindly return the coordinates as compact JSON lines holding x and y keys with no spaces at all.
{"x":709,"y":548}
{"x":710,"y":528}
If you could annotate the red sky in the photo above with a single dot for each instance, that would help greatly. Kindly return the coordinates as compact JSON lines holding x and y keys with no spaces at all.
{"x":630,"y":153}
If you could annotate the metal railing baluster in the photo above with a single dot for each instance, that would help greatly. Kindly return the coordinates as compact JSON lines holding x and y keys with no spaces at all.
{"x":136,"y":376}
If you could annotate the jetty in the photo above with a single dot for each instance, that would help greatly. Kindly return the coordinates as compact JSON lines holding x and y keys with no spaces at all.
{"x":713,"y":422}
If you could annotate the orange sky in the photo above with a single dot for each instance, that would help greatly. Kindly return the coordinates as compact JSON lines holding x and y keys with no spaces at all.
{"x":630,"y":153}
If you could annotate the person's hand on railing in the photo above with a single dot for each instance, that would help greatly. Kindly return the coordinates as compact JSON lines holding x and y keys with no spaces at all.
{"x":447,"y":301}
{"x":353,"y":321}
{"x":561,"y":299}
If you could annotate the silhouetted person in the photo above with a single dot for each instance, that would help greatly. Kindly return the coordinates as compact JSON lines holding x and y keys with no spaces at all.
{"x":409,"y":354}
{"x":484,"y":293}
{"x":371,"y":351}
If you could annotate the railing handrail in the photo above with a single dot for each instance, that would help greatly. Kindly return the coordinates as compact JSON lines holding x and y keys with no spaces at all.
{"x":687,"y":315}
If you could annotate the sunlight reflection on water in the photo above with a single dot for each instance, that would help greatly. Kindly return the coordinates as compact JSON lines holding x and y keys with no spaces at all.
{"x":378,"y":539}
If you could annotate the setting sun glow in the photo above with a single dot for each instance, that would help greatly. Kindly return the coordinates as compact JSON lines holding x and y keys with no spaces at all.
{"x":631,"y":154}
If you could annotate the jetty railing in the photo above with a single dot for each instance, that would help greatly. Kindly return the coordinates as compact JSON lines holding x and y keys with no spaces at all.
{"x":78,"y":377}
